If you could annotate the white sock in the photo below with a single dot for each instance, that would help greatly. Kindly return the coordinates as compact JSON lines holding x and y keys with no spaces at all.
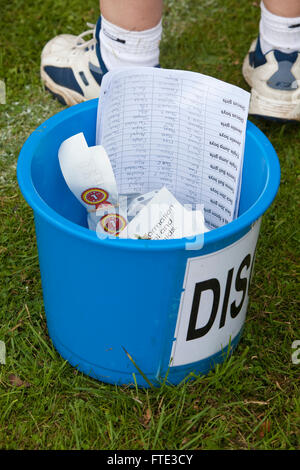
{"x":122,"y":48}
{"x":278,"y":32}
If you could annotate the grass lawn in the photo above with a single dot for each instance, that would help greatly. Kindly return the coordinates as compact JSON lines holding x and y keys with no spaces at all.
{"x":252,"y":400}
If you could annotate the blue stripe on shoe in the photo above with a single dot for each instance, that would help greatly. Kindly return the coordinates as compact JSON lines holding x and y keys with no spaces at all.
{"x":282,"y":56}
{"x":256,"y":57}
{"x":63,"y":76}
{"x":83,"y":78}
{"x":98,"y":52}
{"x":283,"y":79}
{"x":96,"y":72}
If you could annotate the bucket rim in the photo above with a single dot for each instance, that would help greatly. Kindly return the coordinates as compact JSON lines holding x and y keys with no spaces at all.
{"x":213,"y":237}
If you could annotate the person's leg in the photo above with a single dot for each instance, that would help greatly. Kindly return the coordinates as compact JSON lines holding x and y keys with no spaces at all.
{"x":127,"y":33}
{"x":286,"y":8}
{"x":133,"y":15}
{"x":130,"y":32}
{"x":272,"y":66}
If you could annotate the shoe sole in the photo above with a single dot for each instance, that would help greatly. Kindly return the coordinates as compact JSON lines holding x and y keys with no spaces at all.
{"x":64,"y":95}
{"x":56,"y":96}
{"x":273,"y":109}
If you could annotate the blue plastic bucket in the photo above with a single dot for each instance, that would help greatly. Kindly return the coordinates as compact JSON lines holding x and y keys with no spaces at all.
{"x":174,"y":310}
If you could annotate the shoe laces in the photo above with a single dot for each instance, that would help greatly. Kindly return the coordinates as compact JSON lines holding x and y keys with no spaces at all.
{"x":86,"y":44}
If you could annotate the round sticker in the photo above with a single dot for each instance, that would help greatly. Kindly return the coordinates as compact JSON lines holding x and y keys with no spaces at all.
{"x":113,"y":223}
{"x":94,"y":196}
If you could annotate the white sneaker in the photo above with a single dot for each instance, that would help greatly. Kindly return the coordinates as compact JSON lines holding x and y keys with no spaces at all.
{"x":72,"y":68}
{"x":274,"y":79}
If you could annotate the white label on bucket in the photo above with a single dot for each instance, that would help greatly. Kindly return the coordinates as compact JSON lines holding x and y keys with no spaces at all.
{"x":214,"y":301}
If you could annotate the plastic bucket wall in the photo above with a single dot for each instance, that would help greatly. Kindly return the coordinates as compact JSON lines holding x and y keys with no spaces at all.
{"x":174,"y":310}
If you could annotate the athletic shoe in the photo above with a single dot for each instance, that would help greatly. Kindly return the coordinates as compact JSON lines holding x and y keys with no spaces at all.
{"x":274,"y":79}
{"x":72,"y":67}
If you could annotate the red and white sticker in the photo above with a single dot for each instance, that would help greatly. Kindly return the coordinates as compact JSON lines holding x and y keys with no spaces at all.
{"x":94,"y":196}
{"x":113,"y":223}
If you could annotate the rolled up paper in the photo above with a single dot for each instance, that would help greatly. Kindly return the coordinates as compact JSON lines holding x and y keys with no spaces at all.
{"x":89,"y":175}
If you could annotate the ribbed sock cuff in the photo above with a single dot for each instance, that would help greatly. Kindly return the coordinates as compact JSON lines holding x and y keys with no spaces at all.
{"x":278,"y":32}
